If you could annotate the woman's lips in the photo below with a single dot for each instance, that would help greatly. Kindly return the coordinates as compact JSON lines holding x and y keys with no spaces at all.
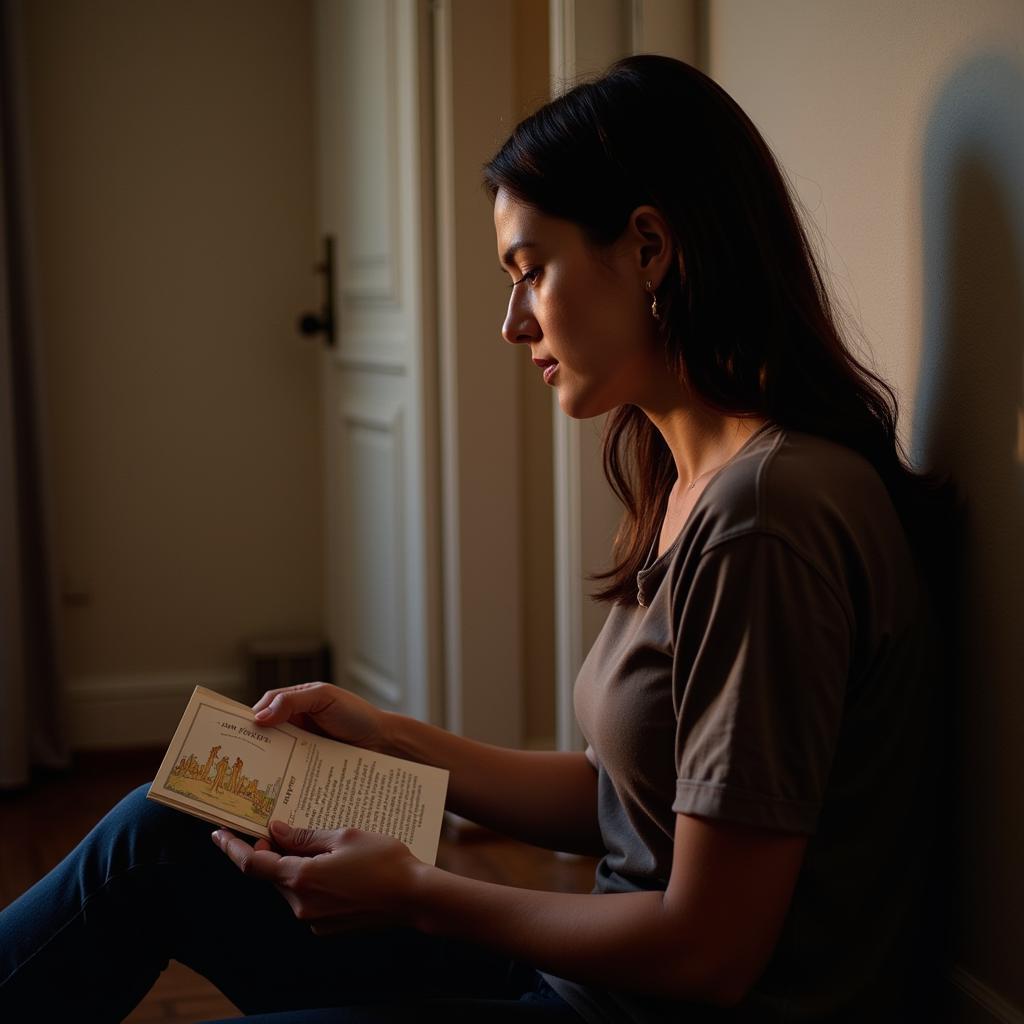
{"x":550,"y":368}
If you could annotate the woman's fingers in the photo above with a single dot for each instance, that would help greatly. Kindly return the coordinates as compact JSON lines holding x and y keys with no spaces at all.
{"x":279,"y":705}
{"x":259,"y":863}
{"x":321,"y":708}
{"x":268,"y":698}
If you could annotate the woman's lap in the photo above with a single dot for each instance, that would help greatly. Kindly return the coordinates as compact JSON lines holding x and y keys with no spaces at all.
{"x":148,"y":885}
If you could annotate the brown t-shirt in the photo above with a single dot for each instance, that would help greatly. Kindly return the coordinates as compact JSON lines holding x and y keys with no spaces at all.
{"x":774,"y":672}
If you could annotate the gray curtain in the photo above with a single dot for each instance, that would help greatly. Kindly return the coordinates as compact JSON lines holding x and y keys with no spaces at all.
{"x":31,"y":703}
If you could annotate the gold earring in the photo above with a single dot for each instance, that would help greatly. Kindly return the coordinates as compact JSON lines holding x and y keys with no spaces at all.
{"x":649,"y":287}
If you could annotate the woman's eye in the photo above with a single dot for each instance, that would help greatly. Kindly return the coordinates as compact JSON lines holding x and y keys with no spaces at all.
{"x":529,"y":275}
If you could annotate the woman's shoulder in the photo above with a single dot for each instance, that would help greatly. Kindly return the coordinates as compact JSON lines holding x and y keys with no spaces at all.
{"x":814,"y":494}
{"x":807,"y":503}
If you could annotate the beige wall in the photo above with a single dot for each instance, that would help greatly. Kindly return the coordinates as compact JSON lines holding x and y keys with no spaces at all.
{"x":902,"y":126}
{"x":171,"y":151}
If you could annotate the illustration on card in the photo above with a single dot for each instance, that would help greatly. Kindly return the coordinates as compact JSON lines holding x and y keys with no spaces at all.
{"x":228,"y":763}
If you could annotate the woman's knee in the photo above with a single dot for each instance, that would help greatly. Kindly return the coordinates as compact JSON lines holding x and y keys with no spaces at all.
{"x":138,"y":830}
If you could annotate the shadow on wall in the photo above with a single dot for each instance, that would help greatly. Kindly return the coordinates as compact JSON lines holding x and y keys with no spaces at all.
{"x":970,"y":422}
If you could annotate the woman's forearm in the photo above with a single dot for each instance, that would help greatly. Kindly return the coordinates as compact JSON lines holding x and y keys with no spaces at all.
{"x":544,"y":797}
{"x":624,"y":941}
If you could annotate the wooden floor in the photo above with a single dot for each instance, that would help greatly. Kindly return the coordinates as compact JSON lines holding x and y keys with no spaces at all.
{"x":39,"y":826}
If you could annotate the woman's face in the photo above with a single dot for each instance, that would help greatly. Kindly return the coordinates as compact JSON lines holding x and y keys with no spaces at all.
{"x":583,"y":312}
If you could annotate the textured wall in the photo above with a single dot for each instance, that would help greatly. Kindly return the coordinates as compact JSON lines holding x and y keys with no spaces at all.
{"x":902,"y":127}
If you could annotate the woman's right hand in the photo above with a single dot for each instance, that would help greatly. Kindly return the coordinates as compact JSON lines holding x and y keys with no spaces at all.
{"x":325,"y":709}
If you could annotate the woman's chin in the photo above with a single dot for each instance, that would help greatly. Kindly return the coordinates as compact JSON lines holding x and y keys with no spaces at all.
{"x":581,"y":407}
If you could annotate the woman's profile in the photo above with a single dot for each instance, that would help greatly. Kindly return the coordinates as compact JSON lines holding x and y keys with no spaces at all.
{"x":759,"y":707}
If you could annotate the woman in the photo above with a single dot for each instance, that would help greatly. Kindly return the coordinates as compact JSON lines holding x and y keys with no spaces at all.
{"x":758,"y":705}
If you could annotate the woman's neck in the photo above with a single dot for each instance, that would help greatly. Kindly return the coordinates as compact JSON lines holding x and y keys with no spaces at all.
{"x":701,"y":440}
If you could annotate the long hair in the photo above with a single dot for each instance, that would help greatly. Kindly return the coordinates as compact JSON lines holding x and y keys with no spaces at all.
{"x":747,"y":322}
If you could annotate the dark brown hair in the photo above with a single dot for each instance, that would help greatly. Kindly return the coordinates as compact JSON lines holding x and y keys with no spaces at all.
{"x":746,"y":321}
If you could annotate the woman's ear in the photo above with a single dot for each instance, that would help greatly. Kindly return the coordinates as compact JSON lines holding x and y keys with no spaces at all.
{"x":652,"y":243}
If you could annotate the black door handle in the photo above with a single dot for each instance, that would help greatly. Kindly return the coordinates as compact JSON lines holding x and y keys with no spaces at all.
{"x":323,"y":322}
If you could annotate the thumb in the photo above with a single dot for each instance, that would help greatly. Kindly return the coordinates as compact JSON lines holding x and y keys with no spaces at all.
{"x":307,"y":841}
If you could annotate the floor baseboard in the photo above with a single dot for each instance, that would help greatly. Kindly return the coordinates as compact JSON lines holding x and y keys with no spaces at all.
{"x":137,"y":710}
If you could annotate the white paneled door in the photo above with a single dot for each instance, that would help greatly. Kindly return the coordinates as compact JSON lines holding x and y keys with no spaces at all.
{"x":374,"y":192}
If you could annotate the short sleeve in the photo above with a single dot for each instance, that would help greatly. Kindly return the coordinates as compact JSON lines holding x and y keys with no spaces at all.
{"x":761,"y":662}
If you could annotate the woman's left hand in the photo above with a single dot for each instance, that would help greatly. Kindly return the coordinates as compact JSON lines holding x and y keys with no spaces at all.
{"x":334,"y":879}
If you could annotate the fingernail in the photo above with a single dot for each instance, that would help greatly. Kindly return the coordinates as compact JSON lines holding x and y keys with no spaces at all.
{"x":279,"y":828}
{"x":217,"y":836}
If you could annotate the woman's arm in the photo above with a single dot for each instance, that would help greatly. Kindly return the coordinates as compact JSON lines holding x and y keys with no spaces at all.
{"x":542,"y":797}
{"x":708,"y":937}
{"x":548,"y":798}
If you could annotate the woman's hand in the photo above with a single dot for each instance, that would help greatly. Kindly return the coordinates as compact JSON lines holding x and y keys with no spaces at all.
{"x":324,"y":709}
{"x":333,"y":879}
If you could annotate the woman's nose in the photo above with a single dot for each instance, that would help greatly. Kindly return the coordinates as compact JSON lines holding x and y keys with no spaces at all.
{"x":520,"y":324}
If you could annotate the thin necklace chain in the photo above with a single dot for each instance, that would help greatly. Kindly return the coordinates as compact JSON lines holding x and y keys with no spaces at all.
{"x":693,"y":483}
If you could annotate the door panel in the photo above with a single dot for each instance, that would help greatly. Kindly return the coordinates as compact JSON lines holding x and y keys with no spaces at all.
{"x":382,"y":581}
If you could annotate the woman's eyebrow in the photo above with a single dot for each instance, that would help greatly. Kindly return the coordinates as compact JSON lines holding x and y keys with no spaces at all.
{"x":510,"y":252}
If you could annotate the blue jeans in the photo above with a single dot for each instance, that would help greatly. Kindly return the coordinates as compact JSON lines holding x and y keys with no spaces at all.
{"x":147,"y":885}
